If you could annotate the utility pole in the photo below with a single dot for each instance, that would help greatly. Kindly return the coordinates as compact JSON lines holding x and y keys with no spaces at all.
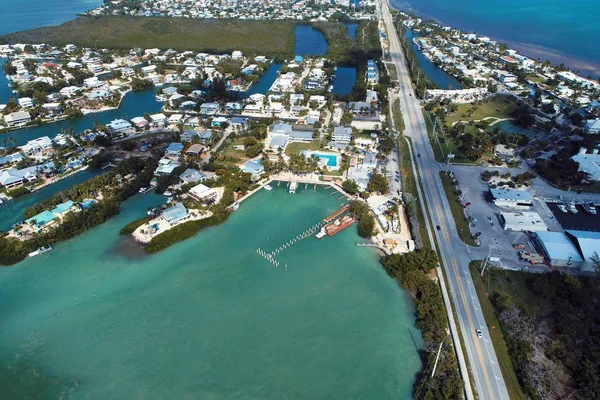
{"x":486,"y":261}
{"x":436,"y":359}
{"x":450,"y":157}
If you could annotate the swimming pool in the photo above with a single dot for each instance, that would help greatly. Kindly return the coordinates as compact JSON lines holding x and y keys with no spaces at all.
{"x":329,"y":159}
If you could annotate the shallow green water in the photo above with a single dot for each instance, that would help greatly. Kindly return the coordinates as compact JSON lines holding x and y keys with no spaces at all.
{"x":209,"y":318}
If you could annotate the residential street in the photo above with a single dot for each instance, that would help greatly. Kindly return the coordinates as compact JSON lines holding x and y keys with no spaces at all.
{"x":455,"y":256}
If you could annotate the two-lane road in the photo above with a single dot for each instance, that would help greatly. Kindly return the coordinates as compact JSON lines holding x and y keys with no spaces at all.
{"x":455,"y":255}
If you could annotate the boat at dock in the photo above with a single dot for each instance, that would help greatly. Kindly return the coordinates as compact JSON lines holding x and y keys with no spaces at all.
{"x":293,"y":187}
{"x":572,"y":207}
{"x":321,"y":234}
{"x":146,"y":189}
{"x":338,"y":225}
{"x":235,"y":206}
{"x":268,"y":187}
{"x":590,"y":208}
{"x":40,"y":250}
{"x":562,"y":208}
{"x":336,"y":214}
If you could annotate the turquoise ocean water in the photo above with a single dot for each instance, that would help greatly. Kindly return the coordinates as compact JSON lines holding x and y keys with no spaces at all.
{"x":559,"y":30}
{"x":209,"y":318}
{"x":19,"y":15}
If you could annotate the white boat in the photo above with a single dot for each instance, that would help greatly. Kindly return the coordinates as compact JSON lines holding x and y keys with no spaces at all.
{"x":40,"y":250}
{"x":321,"y":233}
{"x":235,"y":206}
{"x":590,"y":208}
{"x":293,"y":187}
{"x":268,"y":187}
{"x":572,"y":207}
{"x":562,"y":208}
{"x":168,"y":193}
{"x":169,"y":199}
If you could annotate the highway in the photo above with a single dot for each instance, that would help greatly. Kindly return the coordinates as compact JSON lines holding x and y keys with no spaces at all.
{"x":455,"y":255}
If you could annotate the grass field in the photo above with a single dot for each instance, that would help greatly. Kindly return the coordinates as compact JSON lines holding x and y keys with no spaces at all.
{"x":295,"y":148}
{"x":497,"y":106}
{"x":271,"y":38}
{"x":508,"y":371}
{"x":410,"y":186}
{"x":462,"y":224}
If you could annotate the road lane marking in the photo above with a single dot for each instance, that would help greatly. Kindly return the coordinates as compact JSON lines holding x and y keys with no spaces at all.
{"x":471,"y":326}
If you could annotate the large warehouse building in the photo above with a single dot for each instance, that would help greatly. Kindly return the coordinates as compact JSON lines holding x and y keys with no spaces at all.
{"x":512,"y":198}
{"x":559,"y":250}
{"x":523,"y":221}
{"x":573,"y":249}
{"x":588,"y":245}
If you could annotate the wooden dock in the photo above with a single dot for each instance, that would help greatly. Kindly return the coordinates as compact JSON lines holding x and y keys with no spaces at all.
{"x":336,"y":214}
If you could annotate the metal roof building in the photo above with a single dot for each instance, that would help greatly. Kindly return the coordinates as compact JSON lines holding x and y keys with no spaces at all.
{"x":504,"y":197}
{"x":588,"y":244}
{"x":523,"y":221}
{"x":559,"y":250}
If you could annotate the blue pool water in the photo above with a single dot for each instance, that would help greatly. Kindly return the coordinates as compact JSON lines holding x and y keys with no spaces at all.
{"x":331,"y":158}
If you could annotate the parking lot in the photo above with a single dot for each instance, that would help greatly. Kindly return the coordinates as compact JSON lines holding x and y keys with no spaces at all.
{"x":485,"y":221}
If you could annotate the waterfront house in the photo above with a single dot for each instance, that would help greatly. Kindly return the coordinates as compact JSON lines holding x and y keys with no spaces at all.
{"x":192,"y":176}
{"x":11,"y":158}
{"x":253,"y":167}
{"x":139,"y":122}
{"x":158,"y":120}
{"x":165,"y":167}
{"x":39,"y":148}
{"x":203,"y":193}
{"x":70,"y":91}
{"x":209,"y":108}
{"x":25,"y":102}
{"x":63,"y":209}
{"x":175,"y":119}
{"x":13,"y":177}
{"x":118,"y":127}
{"x":174,"y":215}
{"x":17,"y":118}
{"x":41,"y":221}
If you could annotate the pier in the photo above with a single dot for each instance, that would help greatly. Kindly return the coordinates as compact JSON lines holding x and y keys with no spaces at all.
{"x":336,"y":214}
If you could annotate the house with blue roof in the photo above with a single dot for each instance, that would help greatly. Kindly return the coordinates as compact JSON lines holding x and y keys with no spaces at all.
{"x":174,"y":215}
{"x":174,"y":149}
{"x":205,"y":136}
{"x":253,"y":167}
{"x":41,"y":220}
{"x":63,"y":208}
{"x":11,"y":158}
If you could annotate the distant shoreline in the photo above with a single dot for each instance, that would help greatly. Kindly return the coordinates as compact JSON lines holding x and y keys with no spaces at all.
{"x":578,"y":65}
